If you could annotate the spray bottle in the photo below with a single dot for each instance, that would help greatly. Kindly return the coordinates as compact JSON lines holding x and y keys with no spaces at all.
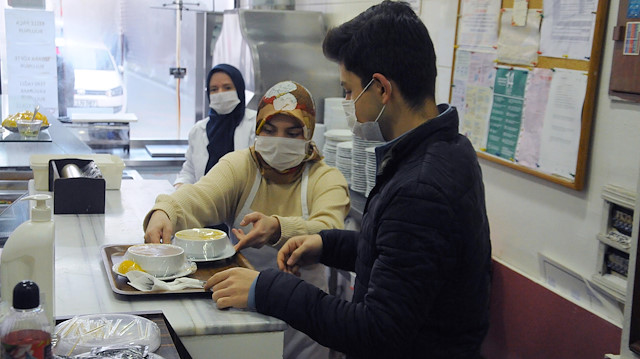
{"x":28,"y":254}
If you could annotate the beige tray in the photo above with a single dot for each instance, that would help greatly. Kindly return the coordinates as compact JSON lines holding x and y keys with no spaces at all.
{"x":205,"y":271}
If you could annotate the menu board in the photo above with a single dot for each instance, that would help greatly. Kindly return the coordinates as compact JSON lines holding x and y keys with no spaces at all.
{"x":31,"y":61}
{"x":524,"y":82}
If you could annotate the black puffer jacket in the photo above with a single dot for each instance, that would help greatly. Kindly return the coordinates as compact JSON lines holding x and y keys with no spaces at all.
{"x":422,"y":258}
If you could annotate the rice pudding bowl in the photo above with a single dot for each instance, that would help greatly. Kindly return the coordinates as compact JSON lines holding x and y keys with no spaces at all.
{"x":202,"y":243}
{"x":159,"y":260}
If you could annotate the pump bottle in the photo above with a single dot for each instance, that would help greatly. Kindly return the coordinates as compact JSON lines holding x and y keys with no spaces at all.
{"x":28,"y":254}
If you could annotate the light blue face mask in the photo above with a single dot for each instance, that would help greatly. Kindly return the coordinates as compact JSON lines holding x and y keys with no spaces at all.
{"x":369,"y":131}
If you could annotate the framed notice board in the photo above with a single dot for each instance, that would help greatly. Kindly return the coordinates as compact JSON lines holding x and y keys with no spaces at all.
{"x":524,"y":81}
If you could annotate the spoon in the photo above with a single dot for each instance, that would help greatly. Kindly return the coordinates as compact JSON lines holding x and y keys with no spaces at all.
{"x":35,"y":111}
{"x":145,"y":282}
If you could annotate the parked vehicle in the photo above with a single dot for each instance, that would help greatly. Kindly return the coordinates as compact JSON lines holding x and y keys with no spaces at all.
{"x":98,"y":83}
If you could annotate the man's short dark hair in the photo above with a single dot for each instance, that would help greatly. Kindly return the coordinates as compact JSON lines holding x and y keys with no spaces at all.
{"x":388,"y":38}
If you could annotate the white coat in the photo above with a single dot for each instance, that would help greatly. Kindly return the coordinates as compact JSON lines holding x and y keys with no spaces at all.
{"x":197,"y":154}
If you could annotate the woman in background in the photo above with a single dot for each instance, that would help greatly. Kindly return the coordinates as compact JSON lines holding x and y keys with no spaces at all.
{"x":229,"y":127}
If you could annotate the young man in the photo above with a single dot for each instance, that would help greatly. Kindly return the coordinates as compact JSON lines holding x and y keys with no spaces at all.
{"x":423,"y":254}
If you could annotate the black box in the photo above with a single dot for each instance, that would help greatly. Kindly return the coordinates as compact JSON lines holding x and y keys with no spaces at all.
{"x":78,"y":195}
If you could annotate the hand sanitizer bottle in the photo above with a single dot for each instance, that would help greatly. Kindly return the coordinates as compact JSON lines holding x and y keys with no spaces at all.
{"x":28,"y":254}
{"x":26,"y":332}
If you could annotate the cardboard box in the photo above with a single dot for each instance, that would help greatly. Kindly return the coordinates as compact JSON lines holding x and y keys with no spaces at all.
{"x":111,"y":167}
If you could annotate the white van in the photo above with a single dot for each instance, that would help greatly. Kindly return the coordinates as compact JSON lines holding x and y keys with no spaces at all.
{"x":98,"y":84}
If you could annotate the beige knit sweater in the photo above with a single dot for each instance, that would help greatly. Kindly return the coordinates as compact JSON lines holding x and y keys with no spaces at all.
{"x":220,"y":195}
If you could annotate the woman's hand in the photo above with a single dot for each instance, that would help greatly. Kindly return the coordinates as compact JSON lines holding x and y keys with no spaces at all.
{"x":159,"y":228}
{"x":231,"y":287}
{"x":266,"y":229}
{"x":299,"y":251}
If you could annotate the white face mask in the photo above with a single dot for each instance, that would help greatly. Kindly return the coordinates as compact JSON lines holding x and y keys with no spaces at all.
{"x":224,"y":102}
{"x":369,"y":131}
{"x":281,"y":153}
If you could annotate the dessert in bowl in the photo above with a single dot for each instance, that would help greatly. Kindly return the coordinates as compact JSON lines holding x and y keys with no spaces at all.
{"x":11,"y":122}
{"x":160,"y":260}
{"x":202,"y":243}
{"x":29,"y":128}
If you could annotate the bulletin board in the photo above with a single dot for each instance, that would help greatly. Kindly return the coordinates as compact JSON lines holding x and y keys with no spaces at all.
{"x":528,"y":107}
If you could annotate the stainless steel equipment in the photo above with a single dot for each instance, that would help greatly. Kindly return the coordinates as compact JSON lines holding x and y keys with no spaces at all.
{"x":269,"y":46}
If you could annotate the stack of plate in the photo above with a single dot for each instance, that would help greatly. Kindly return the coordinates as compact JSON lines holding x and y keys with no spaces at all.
{"x":358,"y":159}
{"x":331,"y":140}
{"x":370,"y":169}
{"x":343,"y":159}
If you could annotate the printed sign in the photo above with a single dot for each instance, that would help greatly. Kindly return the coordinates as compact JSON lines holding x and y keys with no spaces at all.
{"x":631,"y":46}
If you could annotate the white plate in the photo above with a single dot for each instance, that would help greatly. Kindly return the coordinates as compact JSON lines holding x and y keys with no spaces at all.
{"x":227,"y":253}
{"x":187,"y":268}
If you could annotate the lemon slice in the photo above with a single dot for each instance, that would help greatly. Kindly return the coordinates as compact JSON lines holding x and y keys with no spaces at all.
{"x":128,"y":265}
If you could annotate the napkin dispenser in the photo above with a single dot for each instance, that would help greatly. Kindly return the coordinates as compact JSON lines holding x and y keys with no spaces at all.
{"x":77,"y":185}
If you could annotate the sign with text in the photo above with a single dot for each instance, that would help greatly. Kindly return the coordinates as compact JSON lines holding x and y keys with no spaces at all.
{"x":506,"y":112}
{"x":31,"y":61}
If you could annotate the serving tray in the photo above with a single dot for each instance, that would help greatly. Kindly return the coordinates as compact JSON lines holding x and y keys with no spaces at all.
{"x":113,"y":254}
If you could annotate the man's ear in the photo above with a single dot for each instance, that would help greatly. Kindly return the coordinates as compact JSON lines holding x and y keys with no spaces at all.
{"x":383,"y":87}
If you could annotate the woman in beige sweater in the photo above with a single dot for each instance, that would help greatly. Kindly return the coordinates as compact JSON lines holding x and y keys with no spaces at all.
{"x":276,"y":189}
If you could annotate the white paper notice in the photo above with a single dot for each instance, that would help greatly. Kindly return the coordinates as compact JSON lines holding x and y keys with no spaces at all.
{"x":479,"y":23}
{"x":519,"y":45}
{"x":567,"y":28}
{"x":519,"y":15}
{"x":535,"y":104}
{"x":27,"y":91}
{"x":472,"y":94}
{"x":31,"y":67}
{"x":476,"y":117}
{"x":460,"y":78}
{"x":29,"y":26}
{"x":562,"y":123}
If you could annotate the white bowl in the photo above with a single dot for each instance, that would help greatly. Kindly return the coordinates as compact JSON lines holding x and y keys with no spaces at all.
{"x":202,"y":243}
{"x":160,"y":260}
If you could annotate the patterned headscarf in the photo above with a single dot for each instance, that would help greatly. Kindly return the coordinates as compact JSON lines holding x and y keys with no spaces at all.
{"x":292,"y":99}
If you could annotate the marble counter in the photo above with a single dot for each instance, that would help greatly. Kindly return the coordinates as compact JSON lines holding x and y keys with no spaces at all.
{"x":82,"y":286}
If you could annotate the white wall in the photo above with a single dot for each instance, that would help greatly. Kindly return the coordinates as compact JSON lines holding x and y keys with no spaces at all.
{"x":529,"y":215}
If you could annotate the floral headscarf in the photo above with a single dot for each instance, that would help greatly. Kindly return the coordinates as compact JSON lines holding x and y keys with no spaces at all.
{"x":292,"y":99}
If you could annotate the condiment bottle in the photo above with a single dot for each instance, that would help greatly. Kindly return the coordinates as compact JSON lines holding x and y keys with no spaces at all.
{"x":26,"y":332}
{"x":29,"y":254}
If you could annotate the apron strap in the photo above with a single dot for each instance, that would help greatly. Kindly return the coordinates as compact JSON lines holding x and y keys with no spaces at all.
{"x":303,"y":191}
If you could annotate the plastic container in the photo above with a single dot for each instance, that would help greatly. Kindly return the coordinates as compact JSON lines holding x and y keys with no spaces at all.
{"x":26,"y":332}
{"x":28,"y":254}
{"x":29,"y":128}
{"x":111,"y":167}
{"x":79,"y":334}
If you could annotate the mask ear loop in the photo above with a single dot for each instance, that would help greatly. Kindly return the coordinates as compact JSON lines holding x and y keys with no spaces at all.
{"x":384,"y":106}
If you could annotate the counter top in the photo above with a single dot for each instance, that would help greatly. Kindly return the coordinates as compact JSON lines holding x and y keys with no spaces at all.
{"x":82,"y":286}
{"x":15,"y":155}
